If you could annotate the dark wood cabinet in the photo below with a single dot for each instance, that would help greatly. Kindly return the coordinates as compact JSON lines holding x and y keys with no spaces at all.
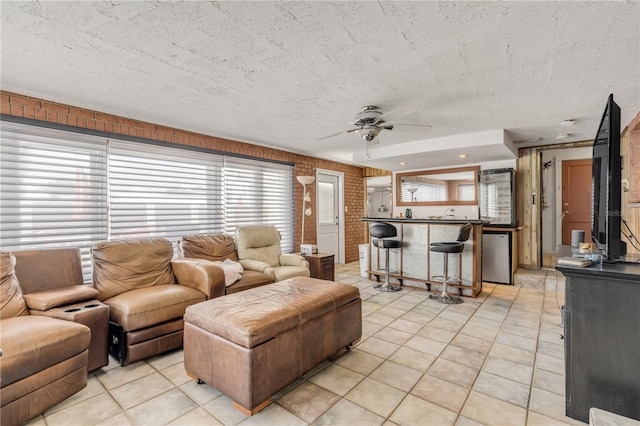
{"x":602,"y":339}
{"x":321,"y":265}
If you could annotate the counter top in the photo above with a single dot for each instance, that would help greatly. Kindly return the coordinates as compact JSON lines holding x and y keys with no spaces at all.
{"x":620,"y":270}
{"x":435,"y":221}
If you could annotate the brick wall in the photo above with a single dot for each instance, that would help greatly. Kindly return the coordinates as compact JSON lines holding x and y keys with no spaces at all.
{"x":354,"y":184}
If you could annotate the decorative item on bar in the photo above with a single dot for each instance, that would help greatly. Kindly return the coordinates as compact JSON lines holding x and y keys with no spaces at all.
{"x":577,"y":237}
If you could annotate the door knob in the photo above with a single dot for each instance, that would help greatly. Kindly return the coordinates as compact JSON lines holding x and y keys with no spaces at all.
{"x":564,"y":213}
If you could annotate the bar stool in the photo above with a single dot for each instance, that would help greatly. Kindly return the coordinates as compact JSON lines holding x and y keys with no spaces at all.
{"x":380,"y":232}
{"x":446,"y":248}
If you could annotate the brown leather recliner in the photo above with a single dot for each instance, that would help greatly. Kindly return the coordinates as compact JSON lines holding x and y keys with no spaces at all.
{"x":147,"y":293}
{"x":218,"y":248}
{"x":52,"y":285}
{"x":44,"y":360}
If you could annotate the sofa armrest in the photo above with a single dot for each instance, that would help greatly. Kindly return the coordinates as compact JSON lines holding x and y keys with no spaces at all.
{"x":256,"y":265}
{"x":293,"y":260}
{"x":56,"y":297}
{"x":200,"y":274}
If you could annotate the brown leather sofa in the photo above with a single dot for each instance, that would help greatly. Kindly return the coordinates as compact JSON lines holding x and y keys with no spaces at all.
{"x":52,"y":285}
{"x":147,"y":293}
{"x":218,"y":248}
{"x":259,"y":250}
{"x":44,"y":359}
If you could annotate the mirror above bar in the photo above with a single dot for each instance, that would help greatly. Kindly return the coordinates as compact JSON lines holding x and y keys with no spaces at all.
{"x":455,"y":186}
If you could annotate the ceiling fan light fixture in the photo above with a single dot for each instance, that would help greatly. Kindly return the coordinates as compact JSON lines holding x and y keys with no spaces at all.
{"x":368,"y":133}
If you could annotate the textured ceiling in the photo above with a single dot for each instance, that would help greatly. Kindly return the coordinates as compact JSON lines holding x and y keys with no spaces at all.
{"x":283,"y":74}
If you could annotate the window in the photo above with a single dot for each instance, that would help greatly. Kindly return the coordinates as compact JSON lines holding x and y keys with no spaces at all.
{"x":157,"y":191}
{"x":68,"y":189}
{"x":259,"y":192}
{"x":326,"y":214}
{"x":466,"y":192}
{"x":424,"y":191}
{"x":54,"y":190}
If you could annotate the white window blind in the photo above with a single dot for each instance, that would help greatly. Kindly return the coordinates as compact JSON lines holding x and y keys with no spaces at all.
{"x":466,"y":192}
{"x":158,"y":191}
{"x":259,"y":192}
{"x":326,"y":214}
{"x":54,"y":190}
{"x":488,"y":200}
{"x":424,"y":192}
{"x":68,"y":189}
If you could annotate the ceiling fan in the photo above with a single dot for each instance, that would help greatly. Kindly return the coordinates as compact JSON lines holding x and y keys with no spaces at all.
{"x":369,"y":123}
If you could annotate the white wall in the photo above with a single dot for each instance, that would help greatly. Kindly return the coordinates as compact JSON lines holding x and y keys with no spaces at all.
{"x":552,"y":193}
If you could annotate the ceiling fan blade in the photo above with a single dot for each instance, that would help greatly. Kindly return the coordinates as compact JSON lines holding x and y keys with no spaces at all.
{"x":336,"y":134}
{"x":409,"y":124}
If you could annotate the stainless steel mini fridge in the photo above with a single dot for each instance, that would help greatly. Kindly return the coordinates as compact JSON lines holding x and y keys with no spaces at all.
{"x":496,"y":257}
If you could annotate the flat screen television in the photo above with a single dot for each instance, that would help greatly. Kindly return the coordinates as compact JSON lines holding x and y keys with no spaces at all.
{"x":606,"y":186}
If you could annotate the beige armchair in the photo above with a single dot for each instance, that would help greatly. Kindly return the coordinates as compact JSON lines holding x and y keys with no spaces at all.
{"x":259,"y":249}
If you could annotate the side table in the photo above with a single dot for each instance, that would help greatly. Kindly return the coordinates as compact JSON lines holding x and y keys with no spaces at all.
{"x":321,"y":265}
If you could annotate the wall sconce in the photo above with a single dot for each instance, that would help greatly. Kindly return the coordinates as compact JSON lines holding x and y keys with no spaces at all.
{"x":306,"y":198}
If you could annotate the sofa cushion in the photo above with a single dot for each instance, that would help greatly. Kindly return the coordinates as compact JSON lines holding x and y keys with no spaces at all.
{"x":49,"y":299}
{"x":61,"y":267}
{"x":144,"y":307}
{"x":32,"y":343}
{"x":11,"y":302}
{"x":214,"y":247}
{"x":254,"y":316}
{"x":121,"y":266}
{"x":285,"y":272}
{"x":250,"y":279}
{"x":259,"y":242}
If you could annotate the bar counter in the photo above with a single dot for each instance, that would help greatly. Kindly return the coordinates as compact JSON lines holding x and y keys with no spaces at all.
{"x":414,"y":265}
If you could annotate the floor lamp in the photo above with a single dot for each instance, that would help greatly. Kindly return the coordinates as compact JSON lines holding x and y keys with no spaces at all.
{"x":306,"y":197}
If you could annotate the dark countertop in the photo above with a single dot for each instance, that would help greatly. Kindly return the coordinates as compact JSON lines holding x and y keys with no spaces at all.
{"x":432,"y":221}
{"x":620,"y":270}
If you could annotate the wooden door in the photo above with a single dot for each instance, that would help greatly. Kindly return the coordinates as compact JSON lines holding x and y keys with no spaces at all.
{"x":576,"y":199}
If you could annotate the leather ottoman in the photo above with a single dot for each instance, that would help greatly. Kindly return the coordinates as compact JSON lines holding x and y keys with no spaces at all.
{"x":251,"y":344}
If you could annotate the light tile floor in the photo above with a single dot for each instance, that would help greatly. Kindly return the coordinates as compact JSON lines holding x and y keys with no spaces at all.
{"x":494,"y":360}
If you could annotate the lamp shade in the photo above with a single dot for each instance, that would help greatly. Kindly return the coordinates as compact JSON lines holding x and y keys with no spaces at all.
{"x":306,"y":180}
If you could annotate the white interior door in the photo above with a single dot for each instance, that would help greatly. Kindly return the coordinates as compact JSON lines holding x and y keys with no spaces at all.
{"x":330,"y":199}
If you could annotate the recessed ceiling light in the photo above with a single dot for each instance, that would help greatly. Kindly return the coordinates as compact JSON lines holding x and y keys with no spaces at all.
{"x":404,"y":163}
{"x":463,"y":155}
{"x":567,"y":123}
{"x":563,"y":135}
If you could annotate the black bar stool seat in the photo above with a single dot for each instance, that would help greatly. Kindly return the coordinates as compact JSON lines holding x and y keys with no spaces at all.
{"x":381,"y":233}
{"x":449,"y":247}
